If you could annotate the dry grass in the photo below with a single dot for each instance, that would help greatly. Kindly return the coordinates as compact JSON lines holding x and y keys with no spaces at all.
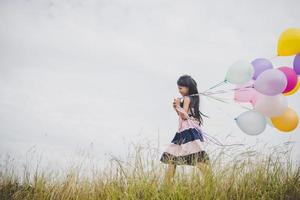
{"x":247,"y":175}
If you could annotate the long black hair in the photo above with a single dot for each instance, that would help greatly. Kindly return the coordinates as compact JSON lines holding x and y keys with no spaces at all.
{"x":188,"y":81}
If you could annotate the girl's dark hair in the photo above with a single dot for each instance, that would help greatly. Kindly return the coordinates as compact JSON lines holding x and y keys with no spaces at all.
{"x":188,"y":81}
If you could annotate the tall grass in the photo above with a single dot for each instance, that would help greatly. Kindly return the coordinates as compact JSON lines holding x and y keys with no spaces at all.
{"x":247,"y":175}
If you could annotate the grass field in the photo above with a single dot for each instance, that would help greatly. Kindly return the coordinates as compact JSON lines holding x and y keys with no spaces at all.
{"x":247,"y":175}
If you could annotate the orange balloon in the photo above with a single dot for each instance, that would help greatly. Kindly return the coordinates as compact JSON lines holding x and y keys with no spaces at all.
{"x":287,"y":121}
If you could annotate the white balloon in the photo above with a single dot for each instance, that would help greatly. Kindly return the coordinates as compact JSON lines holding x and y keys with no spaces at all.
{"x":251,"y":122}
{"x":271,"y":106}
{"x":239,"y":72}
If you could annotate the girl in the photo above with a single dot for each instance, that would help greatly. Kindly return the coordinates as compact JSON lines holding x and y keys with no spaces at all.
{"x":186,"y":147}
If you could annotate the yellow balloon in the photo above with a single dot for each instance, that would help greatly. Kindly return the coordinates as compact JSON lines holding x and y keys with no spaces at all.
{"x":289,"y":42}
{"x":287,"y":121}
{"x":296,"y":88}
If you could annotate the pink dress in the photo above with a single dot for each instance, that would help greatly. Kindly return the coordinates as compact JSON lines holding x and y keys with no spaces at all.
{"x":188,"y":145}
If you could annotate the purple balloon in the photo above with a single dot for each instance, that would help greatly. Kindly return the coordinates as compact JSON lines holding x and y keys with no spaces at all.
{"x":297,"y":64}
{"x":260,"y":65}
{"x":271,"y":82}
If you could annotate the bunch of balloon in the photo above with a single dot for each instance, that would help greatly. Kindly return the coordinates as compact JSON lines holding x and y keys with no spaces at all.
{"x":267,"y":88}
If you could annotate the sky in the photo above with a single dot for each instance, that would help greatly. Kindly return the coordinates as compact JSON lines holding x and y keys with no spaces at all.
{"x":91,"y":77}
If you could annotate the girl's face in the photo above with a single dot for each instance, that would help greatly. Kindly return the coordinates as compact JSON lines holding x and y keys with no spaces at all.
{"x":184,"y":91}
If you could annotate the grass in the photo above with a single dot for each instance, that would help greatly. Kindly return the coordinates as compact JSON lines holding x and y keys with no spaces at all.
{"x":246,"y":175}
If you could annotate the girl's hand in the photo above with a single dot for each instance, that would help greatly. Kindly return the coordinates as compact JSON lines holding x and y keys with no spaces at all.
{"x":176,"y":102}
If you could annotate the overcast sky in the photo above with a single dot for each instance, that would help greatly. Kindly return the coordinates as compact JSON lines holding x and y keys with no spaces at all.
{"x":99,"y":74}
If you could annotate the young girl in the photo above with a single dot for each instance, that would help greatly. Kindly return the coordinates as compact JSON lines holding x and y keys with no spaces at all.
{"x":187,"y":146}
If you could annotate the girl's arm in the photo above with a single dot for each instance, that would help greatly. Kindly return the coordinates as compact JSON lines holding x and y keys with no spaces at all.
{"x":182,"y":112}
{"x":186,"y":105}
{"x":176,"y":103}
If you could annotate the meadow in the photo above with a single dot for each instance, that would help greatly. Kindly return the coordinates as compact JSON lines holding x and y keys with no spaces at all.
{"x":249,"y":174}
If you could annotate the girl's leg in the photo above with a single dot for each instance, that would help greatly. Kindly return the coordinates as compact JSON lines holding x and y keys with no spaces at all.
{"x":170,"y":173}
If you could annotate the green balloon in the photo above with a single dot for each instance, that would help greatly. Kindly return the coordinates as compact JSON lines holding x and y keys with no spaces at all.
{"x":239,"y":72}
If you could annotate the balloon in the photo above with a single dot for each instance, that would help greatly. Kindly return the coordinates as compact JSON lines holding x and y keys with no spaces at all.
{"x":289,"y":42}
{"x":247,"y":94}
{"x":256,"y":95}
{"x":260,"y":65}
{"x":271,"y":82}
{"x":291,"y":77}
{"x":239,"y":72}
{"x":287,"y":121}
{"x":271,"y":106}
{"x":296,"y":88}
{"x":251,"y":122}
{"x":296,"y":64}
{"x":244,"y":92}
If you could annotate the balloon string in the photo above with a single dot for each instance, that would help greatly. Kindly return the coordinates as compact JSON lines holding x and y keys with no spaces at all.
{"x":218,"y":99}
{"x":205,"y":93}
{"x":217,"y":85}
{"x":230,"y":90}
{"x":229,"y":115}
{"x":206,"y":136}
{"x":209,"y":138}
{"x":216,"y":141}
{"x":273,"y":57}
{"x":209,"y":94}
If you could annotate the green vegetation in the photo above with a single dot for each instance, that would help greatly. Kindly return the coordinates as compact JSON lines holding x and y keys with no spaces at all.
{"x":247,"y":175}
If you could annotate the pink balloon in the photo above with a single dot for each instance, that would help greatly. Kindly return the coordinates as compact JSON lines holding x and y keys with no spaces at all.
{"x":291,"y":77}
{"x":246,"y":93}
